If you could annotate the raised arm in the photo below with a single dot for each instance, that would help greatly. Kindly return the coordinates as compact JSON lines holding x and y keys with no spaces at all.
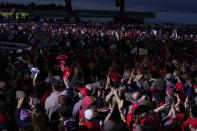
{"x":121,"y":111}
{"x":160,"y":108}
{"x":109,"y":114}
{"x":118,"y":100}
{"x":108,"y":83}
{"x":178,"y":101}
{"x":66,"y":82}
{"x":131,"y":77}
{"x":109,"y":96}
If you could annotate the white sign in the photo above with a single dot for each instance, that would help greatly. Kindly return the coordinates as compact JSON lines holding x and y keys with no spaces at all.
{"x":34,"y":72}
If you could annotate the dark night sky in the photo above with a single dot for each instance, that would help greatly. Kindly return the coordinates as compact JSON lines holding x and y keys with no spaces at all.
{"x":189,"y":6}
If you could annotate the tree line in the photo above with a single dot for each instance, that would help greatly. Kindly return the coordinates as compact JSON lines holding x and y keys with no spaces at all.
{"x":31,"y":6}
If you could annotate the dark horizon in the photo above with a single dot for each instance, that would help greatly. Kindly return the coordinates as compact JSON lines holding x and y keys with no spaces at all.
{"x":188,"y":6}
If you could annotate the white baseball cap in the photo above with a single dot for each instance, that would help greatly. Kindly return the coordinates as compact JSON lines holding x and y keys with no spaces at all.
{"x":89,"y":114}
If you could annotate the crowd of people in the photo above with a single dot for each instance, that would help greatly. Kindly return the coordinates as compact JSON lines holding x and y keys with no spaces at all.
{"x":98,"y":77}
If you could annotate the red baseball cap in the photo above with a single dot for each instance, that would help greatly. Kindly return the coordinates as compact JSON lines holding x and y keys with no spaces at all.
{"x":61,"y":57}
{"x":115,"y":76}
{"x":180,"y":87}
{"x":83,"y":91}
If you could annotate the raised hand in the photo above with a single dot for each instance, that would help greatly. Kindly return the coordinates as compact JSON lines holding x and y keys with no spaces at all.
{"x":143,"y":97}
{"x":20,"y":102}
{"x":99,"y":93}
{"x":178,"y":98}
{"x":186,"y":102}
{"x":115,"y":91}
{"x":108,"y":79}
{"x":108,"y":83}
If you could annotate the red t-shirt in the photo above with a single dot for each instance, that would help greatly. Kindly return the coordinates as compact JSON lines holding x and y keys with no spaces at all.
{"x":190,"y":121}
